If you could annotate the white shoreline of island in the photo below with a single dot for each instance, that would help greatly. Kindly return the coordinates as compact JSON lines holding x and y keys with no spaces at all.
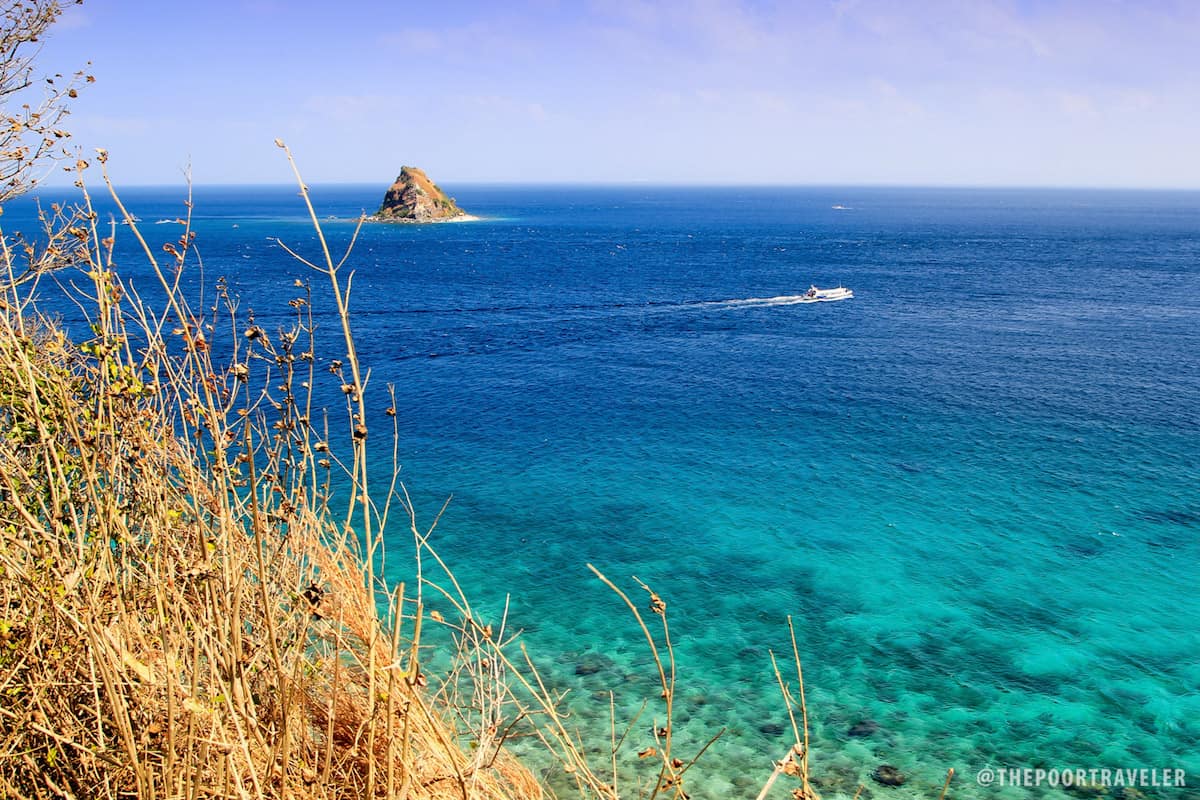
{"x":459,"y":218}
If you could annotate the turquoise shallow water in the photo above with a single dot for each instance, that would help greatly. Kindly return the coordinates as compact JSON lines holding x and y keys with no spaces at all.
{"x":973,"y":486}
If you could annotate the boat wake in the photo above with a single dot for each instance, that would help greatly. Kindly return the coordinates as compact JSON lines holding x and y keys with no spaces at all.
{"x":762,"y":302}
{"x":813,"y":295}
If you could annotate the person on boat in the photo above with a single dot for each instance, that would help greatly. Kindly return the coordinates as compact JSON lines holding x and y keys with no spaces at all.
{"x":812,"y":292}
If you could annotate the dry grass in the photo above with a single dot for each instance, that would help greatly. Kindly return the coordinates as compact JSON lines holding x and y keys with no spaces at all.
{"x":181,"y":614}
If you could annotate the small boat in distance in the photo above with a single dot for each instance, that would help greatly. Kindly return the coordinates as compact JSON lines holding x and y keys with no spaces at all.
{"x":815,"y":295}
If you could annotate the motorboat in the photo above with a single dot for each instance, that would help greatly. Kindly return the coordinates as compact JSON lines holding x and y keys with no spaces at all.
{"x":815,"y":295}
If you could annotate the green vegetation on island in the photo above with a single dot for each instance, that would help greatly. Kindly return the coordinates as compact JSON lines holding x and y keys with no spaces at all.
{"x":415,"y":198}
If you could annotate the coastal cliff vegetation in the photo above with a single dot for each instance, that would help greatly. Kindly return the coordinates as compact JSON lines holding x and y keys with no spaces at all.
{"x":182,"y":613}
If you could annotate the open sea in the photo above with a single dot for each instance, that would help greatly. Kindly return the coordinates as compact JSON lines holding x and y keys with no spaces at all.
{"x":975,"y":486}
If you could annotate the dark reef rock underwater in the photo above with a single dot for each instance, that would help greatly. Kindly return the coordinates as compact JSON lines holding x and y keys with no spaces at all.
{"x":865,"y":727}
{"x":888,"y":775}
{"x":415,"y":198}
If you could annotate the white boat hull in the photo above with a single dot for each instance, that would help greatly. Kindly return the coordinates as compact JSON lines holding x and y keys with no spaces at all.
{"x":815,"y":295}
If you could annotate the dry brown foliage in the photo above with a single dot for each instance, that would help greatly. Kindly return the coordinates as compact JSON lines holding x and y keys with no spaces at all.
{"x":32,"y":107}
{"x":181,"y":615}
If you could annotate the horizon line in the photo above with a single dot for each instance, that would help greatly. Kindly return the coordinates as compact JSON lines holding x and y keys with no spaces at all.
{"x":648,"y":184}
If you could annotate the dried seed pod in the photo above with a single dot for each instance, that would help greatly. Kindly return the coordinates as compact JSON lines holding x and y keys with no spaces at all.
{"x":657,"y":604}
{"x":314,"y":594}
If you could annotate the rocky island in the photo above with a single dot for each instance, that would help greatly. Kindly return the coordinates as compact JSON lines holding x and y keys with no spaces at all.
{"x":415,"y":198}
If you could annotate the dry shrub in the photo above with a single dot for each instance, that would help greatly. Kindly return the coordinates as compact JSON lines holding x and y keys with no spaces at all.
{"x":181,"y":614}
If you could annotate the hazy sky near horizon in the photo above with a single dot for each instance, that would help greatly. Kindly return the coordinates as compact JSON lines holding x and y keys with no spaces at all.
{"x":961,"y":92}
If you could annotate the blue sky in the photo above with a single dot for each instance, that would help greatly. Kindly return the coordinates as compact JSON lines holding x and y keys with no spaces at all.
{"x":1062,"y":92}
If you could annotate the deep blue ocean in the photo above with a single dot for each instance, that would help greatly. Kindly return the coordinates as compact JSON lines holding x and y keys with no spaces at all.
{"x":974,"y":486}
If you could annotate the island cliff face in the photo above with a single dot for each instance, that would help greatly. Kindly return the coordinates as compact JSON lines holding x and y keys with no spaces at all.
{"x":415,"y":198}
